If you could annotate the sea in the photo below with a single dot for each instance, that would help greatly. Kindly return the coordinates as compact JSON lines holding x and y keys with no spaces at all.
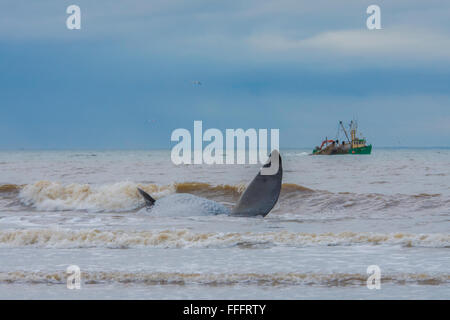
{"x":337,"y":219}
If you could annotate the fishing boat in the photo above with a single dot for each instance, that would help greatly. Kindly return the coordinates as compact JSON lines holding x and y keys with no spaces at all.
{"x":352,"y":144}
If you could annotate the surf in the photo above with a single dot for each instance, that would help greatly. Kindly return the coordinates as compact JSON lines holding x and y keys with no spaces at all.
{"x":184,"y":238}
{"x":123,"y":196}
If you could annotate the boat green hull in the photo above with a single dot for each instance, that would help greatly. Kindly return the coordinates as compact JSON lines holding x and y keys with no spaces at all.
{"x":361,"y":150}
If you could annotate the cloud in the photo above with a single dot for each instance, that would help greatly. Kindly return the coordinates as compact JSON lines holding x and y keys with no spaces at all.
{"x":326,"y":31}
{"x":395,"y":43}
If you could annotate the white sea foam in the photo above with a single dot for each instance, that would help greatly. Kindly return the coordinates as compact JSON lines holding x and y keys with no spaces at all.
{"x":117,"y":197}
{"x":60,"y":238}
{"x":215,"y":279}
{"x":184,"y":204}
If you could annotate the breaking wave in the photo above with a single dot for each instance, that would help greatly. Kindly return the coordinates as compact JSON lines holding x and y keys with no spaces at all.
{"x":117,"y":197}
{"x":222,"y":279}
{"x":123,"y":196}
{"x":61,"y":238}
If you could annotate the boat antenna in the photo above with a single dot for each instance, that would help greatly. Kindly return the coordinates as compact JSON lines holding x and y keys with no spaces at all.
{"x":345,"y":131}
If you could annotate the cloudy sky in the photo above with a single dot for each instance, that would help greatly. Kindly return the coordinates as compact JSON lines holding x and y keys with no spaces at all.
{"x":127,"y":78}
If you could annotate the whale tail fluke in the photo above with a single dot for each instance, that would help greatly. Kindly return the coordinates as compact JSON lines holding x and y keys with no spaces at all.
{"x":262,"y":193}
{"x":149,"y":201}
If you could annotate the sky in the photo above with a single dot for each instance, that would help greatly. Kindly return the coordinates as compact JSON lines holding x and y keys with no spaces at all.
{"x":127,"y":78}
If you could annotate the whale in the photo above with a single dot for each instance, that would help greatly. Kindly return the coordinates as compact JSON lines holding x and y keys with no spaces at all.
{"x":258,"y":199}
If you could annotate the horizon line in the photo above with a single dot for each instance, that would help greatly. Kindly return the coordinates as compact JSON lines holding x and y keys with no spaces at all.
{"x":168,"y":149}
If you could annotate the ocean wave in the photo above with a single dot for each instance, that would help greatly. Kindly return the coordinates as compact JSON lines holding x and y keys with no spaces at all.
{"x":206,"y":189}
{"x":8,"y":188}
{"x":300,"y":199}
{"x":294,"y":198}
{"x":221,"y":279}
{"x":61,"y":238}
{"x":116,"y":197}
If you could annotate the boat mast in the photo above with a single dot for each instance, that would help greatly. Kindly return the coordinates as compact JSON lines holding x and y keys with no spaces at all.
{"x":342,"y":126}
{"x":353,"y":127}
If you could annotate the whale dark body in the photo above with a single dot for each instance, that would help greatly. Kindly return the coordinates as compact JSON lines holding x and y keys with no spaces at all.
{"x":258,"y":199}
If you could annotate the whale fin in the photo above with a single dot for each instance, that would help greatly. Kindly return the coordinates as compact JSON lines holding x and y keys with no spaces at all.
{"x":262,"y":193}
{"x":149,"y":201}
